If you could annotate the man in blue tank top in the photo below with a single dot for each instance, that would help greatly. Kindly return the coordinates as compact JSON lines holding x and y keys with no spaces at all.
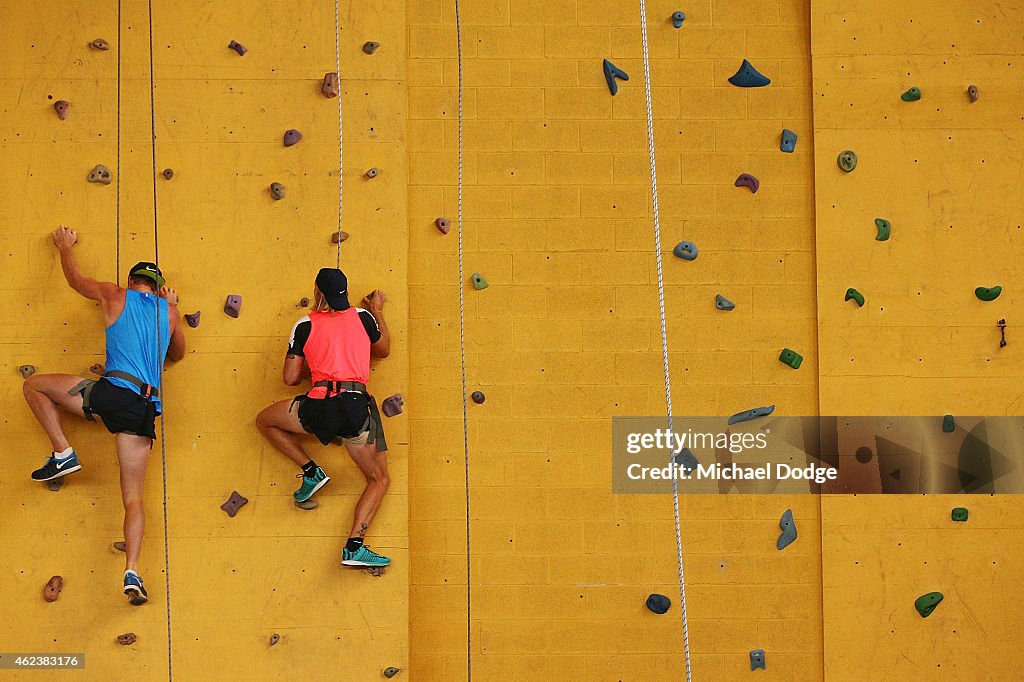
{"x":142,"y":328}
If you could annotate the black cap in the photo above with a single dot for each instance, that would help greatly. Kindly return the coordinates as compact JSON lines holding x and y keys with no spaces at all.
{"x":333,"y":284}
{"x":147,"y":269}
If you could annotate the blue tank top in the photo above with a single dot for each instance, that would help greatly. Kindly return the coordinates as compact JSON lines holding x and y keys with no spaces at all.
{"x":132,"y":341}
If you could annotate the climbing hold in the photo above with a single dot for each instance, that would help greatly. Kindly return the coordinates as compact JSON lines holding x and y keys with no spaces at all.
{"x":303,"y":302}
{"x":686,"y":459}
{"x":52,"y":589}
{"x":754,"y":413}
{"x":26,"y":370}
{"x":371,"y":173}
{"x":926,"y":603}
{"x":847,"y":161}
{"x":237,"y":47}
{"x":61,"y":106}
{"x":948,"y":424}
{"x":391,"y":672}
{"x":854,"y":295}
{"x":100,"y":174}
{"x":291,"y":136}
{"x":97,"y":368}
{"x":757,"y":659}
{"x":168,"y":173}
{"x":392,"y":405}
{"x":330,"y":86}
{"x":1002,"y":333}
{"x":193,"y":318}
{"x":339,"y":237}
{"x":685,"y":250}
{"x":788,"y":143}
{"x":884,"y":227}
{"x":274,"y":639}
{"x":478,"y":397}
{"x":911,"y":95}
{"x":126,"y":639}
{"x":988,"y":294}
{"x":369,"y":47}
{"x":443,"y":225}
{"x":748,"y":77}
{"x":611,"y":72}
{"x":722,"y":303}
{"x":277,"y":191}
{"x":658,"y":603}
{"x":788,"y":527}
{"x":119,"y":546}
{"x":308,"y":505}
{"x":749,"y":181}
{"x":678,"y":18}
{"x":55,"y":485}
{"x":479,"y":282}
{"x":959,"y":514}
{"x":233,"y":305}
{"x":99,"y":44}
{"x":791,"y":358}
{"x":972,"y":93}
{"x":233,"y":504}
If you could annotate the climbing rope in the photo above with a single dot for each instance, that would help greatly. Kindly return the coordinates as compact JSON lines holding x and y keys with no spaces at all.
{"x":337,"y":58}
{"x":159,"y":339}
{"x":664,"y":328}
{"x":462,"y":347}
{"x":117,"y":177}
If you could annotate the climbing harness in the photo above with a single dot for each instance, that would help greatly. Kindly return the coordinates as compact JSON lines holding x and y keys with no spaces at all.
{"x":664,"y":329}
{"x":337,"y":58}
{"x":373,"y":423}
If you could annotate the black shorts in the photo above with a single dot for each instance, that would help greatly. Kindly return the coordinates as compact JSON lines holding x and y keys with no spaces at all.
{"x":346,"y":415}
{"x":121,"y":409}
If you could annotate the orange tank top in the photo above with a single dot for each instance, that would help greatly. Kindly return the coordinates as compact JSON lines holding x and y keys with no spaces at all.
{"x":338,"y":349}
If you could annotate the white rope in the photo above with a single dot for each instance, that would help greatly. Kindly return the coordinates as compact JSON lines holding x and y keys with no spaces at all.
{"x":664,"y":329}
{"x":337,"y":58}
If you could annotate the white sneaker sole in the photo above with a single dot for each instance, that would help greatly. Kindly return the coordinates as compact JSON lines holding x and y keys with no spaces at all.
{"x":362,"y":564}
{"x":59,"y":474}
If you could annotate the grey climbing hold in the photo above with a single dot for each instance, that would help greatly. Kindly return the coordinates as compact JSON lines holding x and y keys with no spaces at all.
{"x":854,"y":295}
{"x":193,"y":318}
{"x":749,"y":181}
{"x":119,"y":546}
{"x":56,"y":484}
{"x":847,"y":161}
{"x":788,"y":143}
{"x":99,"y":44}
{"x":274,"y":639}
{"x":330,"y":87}
{"x":948,"y":424}
{"x":988,"y":293}
{"x":277,"y":191}
{"x":972,"y":93}
{"x":308,"y":505}
{"x":369,"y":47}
{"x":100,"y":174}
{"x":234,"y":503}
{"x":788,"y":527}
{"x":443,"y":225}
{"x":392,"y":405}
{"x":168,"y":173}
{"x":478,"y":397}
{"x":479,"y":282}
{"x":884,"y":228}
{"x":291,"y":137}
{"x":26,"y":370}
{"x":339,"y":237}
{"x":722,"y":303}
{"x":611,"y":72}
{"x":911,"y":95}
{"x":61,"y":106}
{"x":678,"y":18}
{"x":757,"y":659}
{"x":371,"y":173}
{"x":686,"y":459}
{"x":391,"y":672}
{"x":658,"y":603}
{"x":685,"y":250}
{"x":748,"y":415}
{"x":233,"y":305}
{"x":748,"y":77}
{"x":237,"y":47}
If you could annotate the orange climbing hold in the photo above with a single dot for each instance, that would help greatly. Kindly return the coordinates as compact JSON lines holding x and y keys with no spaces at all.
{"x":53,"y":588}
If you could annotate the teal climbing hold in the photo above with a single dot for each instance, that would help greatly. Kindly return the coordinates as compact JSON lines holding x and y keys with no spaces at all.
{"x":988,"y":293}
{"x":788,"y":143}
{"x":926,"y":603}
{"x":791,"y":358}
{"x":959,"y":514}
{"x":788,"y":526}
{"x":757,"y":659}
{"x":686,"y":459}
{"x":847,"y":161}
{"x":911,"y":95}
{"x":678,"y":18}
{"x":611,"y":72}
{"x":948,"y":424}
{"x":478,"y":281}
{"x":748,"y":415}
{"x":685,"y":250}
{"x":854,"y":295}
{"x":722,"y":303}
{"x":748,"y":77}
{"x":884,"y":228}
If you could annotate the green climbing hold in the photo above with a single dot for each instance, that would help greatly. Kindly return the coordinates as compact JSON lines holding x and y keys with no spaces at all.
{"x":911,"y":95}
{"x":847,"y":160}
{"x":478,"y":281}
{"x":948,"y":424}
{"x":884,"y":227}
{"x":988,"y":294}
{"x":959,"y":514}
{"x":926,"y":603}
{"x":791,"y":358}
{"x":854,"y":295}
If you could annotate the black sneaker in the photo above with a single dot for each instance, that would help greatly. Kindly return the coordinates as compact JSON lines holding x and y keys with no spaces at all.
{"x":55,"y":468}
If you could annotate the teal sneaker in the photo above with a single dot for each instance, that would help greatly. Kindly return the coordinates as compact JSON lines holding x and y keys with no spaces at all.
{"x":363,"y":556}
{"x":310,"y":484}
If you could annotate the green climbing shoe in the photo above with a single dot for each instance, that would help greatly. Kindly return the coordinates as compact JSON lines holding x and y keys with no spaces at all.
{"x":363,"y":556}
{"x":310,"y":484}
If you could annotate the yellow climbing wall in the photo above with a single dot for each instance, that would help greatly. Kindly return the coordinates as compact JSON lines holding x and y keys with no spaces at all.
{"x":558,"y":220}
{"x":219,"y":121}
{"x":947,"y":173}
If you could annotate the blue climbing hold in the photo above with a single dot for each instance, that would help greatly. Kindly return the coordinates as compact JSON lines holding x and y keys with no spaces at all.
{"x":611,"y":72}
{"x":788,"y":527}
{"x":722,"y":303}
{"x":788,"y":143}
{"x":686,"y":459}
{"x":757,"y":659}
{"x":747,"y":415}
{"x":685,"y":250}
{"x":658,"y":603}
{"x":678,"y":18}
{"x":749,"y":77}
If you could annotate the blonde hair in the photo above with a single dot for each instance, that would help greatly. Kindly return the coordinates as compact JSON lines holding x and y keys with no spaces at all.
{"x":320,"y":304}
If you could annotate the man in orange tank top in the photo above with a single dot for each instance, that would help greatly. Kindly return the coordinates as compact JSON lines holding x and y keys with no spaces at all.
{"x":333,"y":344}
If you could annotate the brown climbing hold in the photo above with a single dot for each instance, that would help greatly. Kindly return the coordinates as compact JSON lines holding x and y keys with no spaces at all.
{"x":53,"y":588}
{"x":237,"y":47}
{"x":97,"y":368}
{"x":478,"y":397}
{"x":119,"y":545}
{"x":392,"y":405}
{"x":234,"y":503}
{"x":99,"y":44}
{"x":291,"y":137}
{"x":303,"y":302}
{"x":61,"y":106}
{"x":100,"y":174}
{"x":193,"y":318}
{"x":26,"y":370}
{"x":55,"y":484}
{"x":233,"y":305}
{"x":972,"y":93}
{"x":339,"y":237}
{"x":330,"y":86}
{"x":277,"y":191}
{"x":443,"y":225}
{"x":168,"y":173}
{"x":308,"y":505}
{"x":274,"y":639}
{"x":126,"y":639}
{"x":371,"y":174}
{"x":369,"y":47}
